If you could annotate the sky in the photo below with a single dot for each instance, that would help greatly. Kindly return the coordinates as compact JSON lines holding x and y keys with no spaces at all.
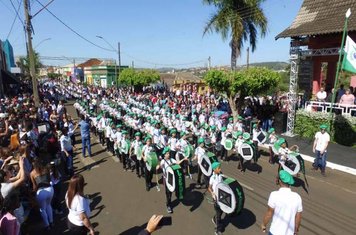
{"x":153,"y":34}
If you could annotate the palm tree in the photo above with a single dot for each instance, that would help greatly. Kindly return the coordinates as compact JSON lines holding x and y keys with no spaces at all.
{"x":239,"y":21}
{"x":23,"y":64}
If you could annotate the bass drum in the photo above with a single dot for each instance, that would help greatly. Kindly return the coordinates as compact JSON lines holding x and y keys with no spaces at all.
{"x":291,"y":165}
{"x":262,"y":137}
{"x":175,"y":180}
{"x":230,"y":196}
{"x":205,"y":163}
{"x":247,"y":151}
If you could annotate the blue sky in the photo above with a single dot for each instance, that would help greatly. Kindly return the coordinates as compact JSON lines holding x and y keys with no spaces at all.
{"x":161,"y":32}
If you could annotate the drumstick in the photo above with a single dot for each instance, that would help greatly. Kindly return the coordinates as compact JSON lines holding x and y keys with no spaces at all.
{"x":157,"y":185}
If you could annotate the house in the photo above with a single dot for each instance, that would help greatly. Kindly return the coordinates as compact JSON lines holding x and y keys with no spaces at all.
{"x":316,"y":34}
{"x":8,"y":82}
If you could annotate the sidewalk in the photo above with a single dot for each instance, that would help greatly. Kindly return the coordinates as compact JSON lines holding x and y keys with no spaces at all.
{"x":339,"y":157}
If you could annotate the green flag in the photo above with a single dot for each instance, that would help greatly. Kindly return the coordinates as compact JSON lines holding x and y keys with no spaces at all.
{"x":349,"y":62}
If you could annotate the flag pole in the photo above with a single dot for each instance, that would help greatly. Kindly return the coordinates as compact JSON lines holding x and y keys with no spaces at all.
{"x":347,"y":15}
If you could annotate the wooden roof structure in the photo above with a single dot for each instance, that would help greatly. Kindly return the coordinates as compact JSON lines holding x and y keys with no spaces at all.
{"x":317,"y":17}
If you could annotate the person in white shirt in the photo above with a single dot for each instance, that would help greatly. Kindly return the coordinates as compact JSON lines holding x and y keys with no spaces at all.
{"x":198,"y":154}
{"x":136,"y":154}
{"x":272,"y":138}
{"x":215,"y":179}
{"x":67,"y":151}
{"x":118,"y":136}
{"x":239,"y":141}
{"x":78,"y":206}
{"x":223,"y":152}
{"x":145,"y":151}
{"x":321,"y":95}
{"x":284,"y":208}
{"x":172,"y":142}
{"x":164,"y":164}
{"x":321,"y":142}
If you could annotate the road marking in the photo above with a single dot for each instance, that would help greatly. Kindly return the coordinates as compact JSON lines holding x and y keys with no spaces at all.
{"x":245,"y":186}
{"x":334,"y":185}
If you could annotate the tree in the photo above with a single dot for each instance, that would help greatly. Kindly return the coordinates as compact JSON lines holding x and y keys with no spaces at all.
{"x":23,"y":64}
{"x":239,"y":21}
{"x":138,"y":79}
{"x":236,"y":85}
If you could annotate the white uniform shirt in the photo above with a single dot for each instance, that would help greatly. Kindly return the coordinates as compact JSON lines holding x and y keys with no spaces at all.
{"x":172,"y":142}
{"x":321,"y":140}
{"x":166,"y":163}
{"x":199,"y":152}
{"x":255,"y":134}
{"x":286,"y":204}
{"x":238,"y":143}
{"x":146,"y":150}
{"x":108,"y":132}
{"x":156,"y":135}
{"x":214,"y":180}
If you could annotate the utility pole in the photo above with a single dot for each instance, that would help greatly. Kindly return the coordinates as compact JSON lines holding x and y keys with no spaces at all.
{"x":31,"y":55}
{"x":209,"y":63}
{"x":133,"y":64}
{"x":248,"y":57}
{"x":119,"y":55}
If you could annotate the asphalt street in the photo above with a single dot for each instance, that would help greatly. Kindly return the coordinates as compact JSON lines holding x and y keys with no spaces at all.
{"x":121,"y":204}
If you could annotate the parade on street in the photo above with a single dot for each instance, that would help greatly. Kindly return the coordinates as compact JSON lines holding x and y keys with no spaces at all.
{"x":257,"y":136}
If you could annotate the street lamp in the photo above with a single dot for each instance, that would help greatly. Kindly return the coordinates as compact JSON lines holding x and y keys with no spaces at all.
{"x":38,"y":44}
{"x":118,"y":55}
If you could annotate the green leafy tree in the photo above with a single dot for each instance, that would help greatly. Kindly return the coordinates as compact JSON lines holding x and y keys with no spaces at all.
{"x":236,"y":85}
{"x":239,"y":21}
{"x":138,"y":78}
{"x":23,"y":64}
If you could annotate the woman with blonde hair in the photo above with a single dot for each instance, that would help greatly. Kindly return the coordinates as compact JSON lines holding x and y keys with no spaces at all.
{"x":79,"y":211}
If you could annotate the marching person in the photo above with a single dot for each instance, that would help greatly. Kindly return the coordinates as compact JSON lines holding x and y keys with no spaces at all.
{"x":172,"y":142}
{"x":145,"y":151}
{"x":272,"y":138}
{"x":284,"y":208}
{"x":181,"y":145}
{"x":239,"y":141}
{"x":124,"y":149}
{"x":255,"y":131}
{"x":223,"y":139}
{"x":198,"y":154}
{"x":166,"y":162}
{"x":134,"y":154}
{"x":118,"y":138}
{"x":215,"y":179}
{"x":321,"y":142}
{"x":108,"y":131}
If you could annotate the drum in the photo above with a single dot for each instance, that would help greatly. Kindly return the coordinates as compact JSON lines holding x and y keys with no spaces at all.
{"x":291,"y":164}
{"x":151,"y":161}
{"x":231,"y":197}
{"x":175,"y":180}
{"x":229,"y":144}
{"x":262,"y":137}
{"x":246,"y":151}
{"x":205,"y":163}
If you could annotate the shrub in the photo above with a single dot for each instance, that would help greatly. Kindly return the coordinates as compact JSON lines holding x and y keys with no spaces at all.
{"x":343,"y":132}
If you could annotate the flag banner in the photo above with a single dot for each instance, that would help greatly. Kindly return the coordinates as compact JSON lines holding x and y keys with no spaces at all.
{"x":349,"y":61}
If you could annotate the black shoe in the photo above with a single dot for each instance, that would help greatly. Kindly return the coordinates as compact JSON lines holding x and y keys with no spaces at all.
{"x":147,"y":189}
{"x":169,"y":210}
{"x":198,"y":185}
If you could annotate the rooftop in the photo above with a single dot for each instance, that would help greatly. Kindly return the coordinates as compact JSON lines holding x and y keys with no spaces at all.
{"x":317,"y":17}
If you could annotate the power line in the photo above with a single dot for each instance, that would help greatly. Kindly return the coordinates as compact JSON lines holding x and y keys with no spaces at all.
{"x":13,"y":22}
{"x":75,"y":32}
{"x":17,"y":12}
{"x":153,"y":63}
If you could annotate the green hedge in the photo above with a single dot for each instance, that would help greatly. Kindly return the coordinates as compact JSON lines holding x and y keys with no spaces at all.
{"x":343,"y":132}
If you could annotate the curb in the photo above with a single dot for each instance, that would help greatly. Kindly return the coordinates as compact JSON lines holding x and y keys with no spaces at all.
{"x":330,"y":165}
